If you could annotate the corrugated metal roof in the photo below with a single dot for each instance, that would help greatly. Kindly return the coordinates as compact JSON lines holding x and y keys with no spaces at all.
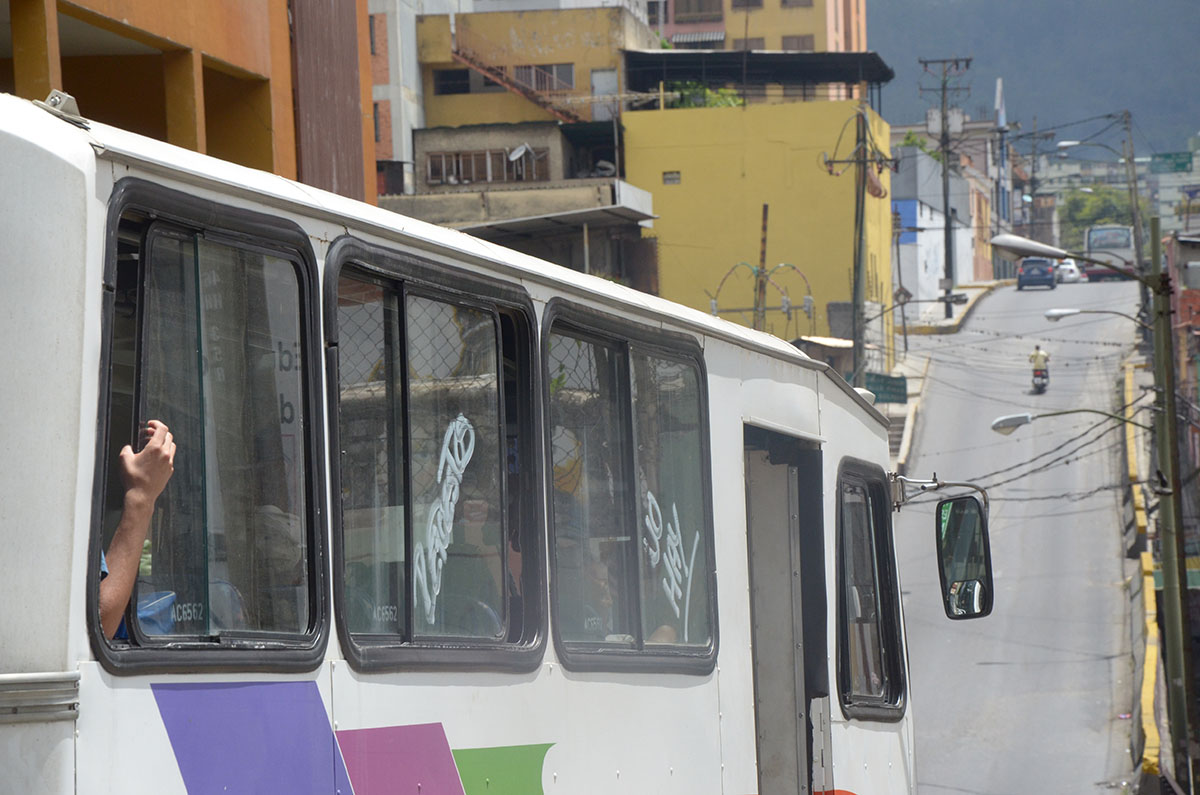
{"x":593,"y":217}
{"x":698,"y":37}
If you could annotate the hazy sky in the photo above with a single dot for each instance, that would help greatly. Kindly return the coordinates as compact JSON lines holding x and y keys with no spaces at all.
{"x":1061,"y":61}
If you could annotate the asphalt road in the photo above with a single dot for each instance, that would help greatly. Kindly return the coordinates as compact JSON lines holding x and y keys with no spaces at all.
{"x":1034,"y":698}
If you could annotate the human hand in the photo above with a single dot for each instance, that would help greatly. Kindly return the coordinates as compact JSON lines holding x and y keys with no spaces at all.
{"x":145,"y":474}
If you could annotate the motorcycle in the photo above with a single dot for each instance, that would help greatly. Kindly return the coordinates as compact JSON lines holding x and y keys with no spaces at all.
{"x":1041,"y":379}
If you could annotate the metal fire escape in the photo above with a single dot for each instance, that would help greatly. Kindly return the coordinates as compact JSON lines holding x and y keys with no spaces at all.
{"x":535,"y":84}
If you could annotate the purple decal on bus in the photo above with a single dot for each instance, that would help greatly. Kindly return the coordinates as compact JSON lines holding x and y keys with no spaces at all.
{"x":252,"y":737}
{"x":400,"y":759}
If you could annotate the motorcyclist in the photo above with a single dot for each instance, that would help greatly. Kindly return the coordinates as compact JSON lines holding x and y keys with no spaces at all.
{"x":1040,"y":359}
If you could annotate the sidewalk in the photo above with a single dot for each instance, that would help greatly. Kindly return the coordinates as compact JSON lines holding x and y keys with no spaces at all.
{"x":914,"y":366}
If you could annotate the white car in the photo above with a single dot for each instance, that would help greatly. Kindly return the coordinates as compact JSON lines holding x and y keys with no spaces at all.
{"x":1067,"y":271}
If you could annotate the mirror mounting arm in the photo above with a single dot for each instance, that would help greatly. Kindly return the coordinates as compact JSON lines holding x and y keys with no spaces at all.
{"x":900,"y":484}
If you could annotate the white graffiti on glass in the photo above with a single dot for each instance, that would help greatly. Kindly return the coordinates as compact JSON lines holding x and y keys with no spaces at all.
{"x":458,"y":445}
{"x":668,"y":555}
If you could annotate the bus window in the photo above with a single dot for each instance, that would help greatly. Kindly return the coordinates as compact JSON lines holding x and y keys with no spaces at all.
{"x":870,"y":647}
{"x":666,"y":400}
{"x":221,"y":366}
{"x":210,"y":335}
{"x":458,"y":564}
{"x":433,"y":441}
{"x":631,"y":527}
{"x":594,"y":543}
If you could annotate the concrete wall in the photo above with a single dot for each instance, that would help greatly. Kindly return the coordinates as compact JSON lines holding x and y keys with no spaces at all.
{"x":539,"y":135}
{"x":465,"y":205}
{"x":731,"y":161}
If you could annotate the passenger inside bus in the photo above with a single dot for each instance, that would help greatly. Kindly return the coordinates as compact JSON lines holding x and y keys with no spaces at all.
{"x":144,"y":475}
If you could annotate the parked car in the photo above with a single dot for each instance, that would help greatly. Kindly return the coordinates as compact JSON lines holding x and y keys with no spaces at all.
{"x":1035,"y":270}
{"x":1068,"y":272}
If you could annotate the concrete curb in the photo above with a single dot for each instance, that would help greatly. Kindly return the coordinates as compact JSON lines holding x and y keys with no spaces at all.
{"x":1148,"y":725}
{"x":951,"y":326}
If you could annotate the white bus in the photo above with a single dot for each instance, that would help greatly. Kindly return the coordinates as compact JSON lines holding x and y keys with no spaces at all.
{"x":444,"y":518}
{"x":1112,"y":243}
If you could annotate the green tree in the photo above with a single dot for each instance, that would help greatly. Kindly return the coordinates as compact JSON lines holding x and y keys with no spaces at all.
{"x":1084,"y":207}
{"x":922,"y":143}
{"x":694,"y":94}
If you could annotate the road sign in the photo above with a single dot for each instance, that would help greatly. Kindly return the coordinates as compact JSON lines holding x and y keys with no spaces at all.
{"x":1191,"y":191}
{"x":1170,"y":162}
{"x":887,"y":388}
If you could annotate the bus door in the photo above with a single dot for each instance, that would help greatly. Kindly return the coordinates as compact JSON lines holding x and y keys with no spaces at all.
{"x":786,"y":550}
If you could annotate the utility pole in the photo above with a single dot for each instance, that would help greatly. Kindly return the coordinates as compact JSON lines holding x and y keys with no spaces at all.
{"x":760,"y":280}
{"x":1139,"y":238}
{"x":860,"y":202}
{"x":1135,"y":209}
{"x":1172,"y":555}
{"x":950,"y":67}
{"x":1033,"y":226}
{"x":865,"y":157}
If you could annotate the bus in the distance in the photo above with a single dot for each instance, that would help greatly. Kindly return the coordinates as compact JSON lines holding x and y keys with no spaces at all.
{"x":1111,"y":243}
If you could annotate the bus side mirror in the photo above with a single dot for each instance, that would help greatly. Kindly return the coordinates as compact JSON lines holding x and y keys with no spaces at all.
{"x":964,"y":558}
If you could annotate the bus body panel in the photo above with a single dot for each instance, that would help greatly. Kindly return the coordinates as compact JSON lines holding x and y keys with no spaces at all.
{"x":50,"y":264}
{"x":758,"y":390}
{"x":206,"y":733}
{"x":38,"y":757}
{"x":564,"y":732}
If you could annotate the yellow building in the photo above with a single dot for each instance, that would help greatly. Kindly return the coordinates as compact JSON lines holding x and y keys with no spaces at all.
{"x":541,"y":65}
{"x":239,"y":81}
{"x":711,"y":170}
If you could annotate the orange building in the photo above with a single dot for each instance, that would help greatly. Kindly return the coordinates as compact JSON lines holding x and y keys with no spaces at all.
{"x":246,"y":82}
{"x":797,"y":25}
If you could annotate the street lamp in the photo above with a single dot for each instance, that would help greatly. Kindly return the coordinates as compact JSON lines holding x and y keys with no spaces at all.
{"x":1173,"y":558}
{"x":1010,"y":422}
{"x":1059,"y":314}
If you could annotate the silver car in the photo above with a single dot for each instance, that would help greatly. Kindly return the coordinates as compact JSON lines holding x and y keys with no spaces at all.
{"x":1067,"y":271}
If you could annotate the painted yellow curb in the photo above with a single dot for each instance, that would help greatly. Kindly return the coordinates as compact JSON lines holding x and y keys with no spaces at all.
{"x":1131,"y":458}
{"x":1149,"y":670}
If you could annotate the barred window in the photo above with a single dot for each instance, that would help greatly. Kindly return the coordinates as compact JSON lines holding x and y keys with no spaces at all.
{"x":697,"y":10}
{"x":433,"y":468}
{"x":490,"y":165}
{"x":802,"y":43}
{"x":630,"y":511}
